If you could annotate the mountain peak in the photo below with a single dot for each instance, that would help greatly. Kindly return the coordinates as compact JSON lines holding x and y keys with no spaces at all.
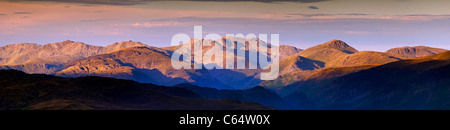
{"x":336,"y":42}
{"x":121,"y":45}
{"x":64,"y":44}
{"x":415,"y":51}
{"x":68,"y":41}
{"x":340,"y":45}
{"x":128,"y":43}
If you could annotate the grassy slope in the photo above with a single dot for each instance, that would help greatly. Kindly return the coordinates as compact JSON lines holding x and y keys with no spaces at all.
{"x":24,"y":91}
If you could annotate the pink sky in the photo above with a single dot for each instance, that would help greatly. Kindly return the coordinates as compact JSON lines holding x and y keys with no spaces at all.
{"x":154,"y":23}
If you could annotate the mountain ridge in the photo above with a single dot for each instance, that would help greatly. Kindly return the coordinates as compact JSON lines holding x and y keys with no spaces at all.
{"x":418,"y":83}
{"x":152,"y":65}
{"x":415,"y":51}
{"x":141,"y":64}
{"x":49,"y":57}
{"x":331,"y":75}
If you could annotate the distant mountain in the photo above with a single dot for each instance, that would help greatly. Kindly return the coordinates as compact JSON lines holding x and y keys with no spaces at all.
{"x":143,"y":64}
{"x":120,"y":45}
{"x":241,"y":78}
{"x":66,"y":50}
{"x":328,"y":51}
{"x":337,"y":58}
{"x":316,"y":57}
{"x":332,"y":75}
{"x":286,"y":51}
{"x":37,"y":66}
{"x":11,"y":52}
{"x":334,"y":53}
{"x":413,"y":52}
{"x":147,"y":64}
{"x":419,"y":83}
{"x":75,"y":59}
{"x":43,"y":92}
{"x":34,"y":58}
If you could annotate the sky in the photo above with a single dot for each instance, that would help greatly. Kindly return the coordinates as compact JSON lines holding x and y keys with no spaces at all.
{"x":376,"y":25}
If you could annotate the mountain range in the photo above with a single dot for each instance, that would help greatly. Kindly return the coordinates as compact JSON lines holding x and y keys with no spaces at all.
{"x":334,"y":54}
{"x":332,"y":75}
{"x":147,"y":64}
{"x":125,"y":60}
{"x":48,"y":58}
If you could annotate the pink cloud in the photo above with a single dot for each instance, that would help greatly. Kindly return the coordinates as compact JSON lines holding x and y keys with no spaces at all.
{"x":58,"y":14}
{"x":421,"y":17}
{"x":157,"y":24}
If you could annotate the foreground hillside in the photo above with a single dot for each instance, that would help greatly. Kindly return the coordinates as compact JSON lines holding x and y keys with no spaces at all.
{"x":43,"y":92}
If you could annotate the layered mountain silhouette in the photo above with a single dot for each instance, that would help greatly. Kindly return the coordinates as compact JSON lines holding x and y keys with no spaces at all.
{"x":332,"y":75}
{"x":141,"y":64}
{"x":240,"y":78}
{"x":147,"y":64}
{"x":130,"y":60}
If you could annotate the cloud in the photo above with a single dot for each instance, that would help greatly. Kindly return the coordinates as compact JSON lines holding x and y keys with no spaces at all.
{"x":265,"y":1}
{"x":424,"y":15}
{"x":420,"y":17}
{"x":355,"y":14}
{"x":136,"y":2}
{"x":311,"y":15}
{"x":152,"y":24}
{"x":22,"y":12}
{"x":3,"y":14}
{"x":348,"y":16}
{"x":103,"y":2}
{"x":315,"y":15}
{"x":95,"y":20}
{"x":313,"y":7}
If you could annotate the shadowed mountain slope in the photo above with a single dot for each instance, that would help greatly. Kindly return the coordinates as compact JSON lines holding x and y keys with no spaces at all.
{"x":419,"y":83}
{"x":42,"y":92}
